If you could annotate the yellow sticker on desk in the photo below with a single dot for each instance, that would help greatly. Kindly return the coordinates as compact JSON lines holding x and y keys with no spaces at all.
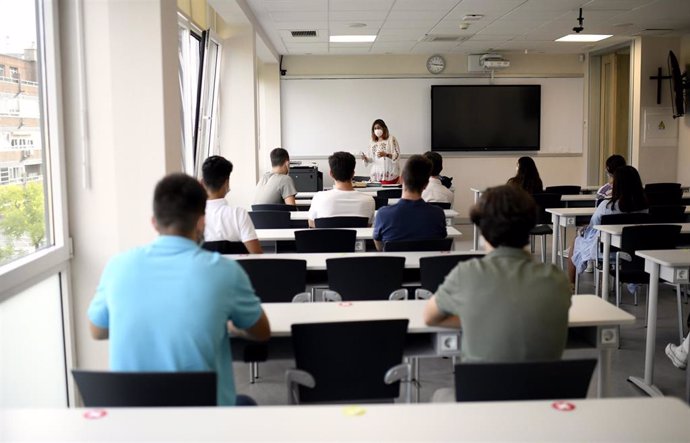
{"x":354,"y":411}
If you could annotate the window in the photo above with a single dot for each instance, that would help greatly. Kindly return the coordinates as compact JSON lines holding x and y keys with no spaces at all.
{"x":2,"y":70}
{"x":14,"y":73}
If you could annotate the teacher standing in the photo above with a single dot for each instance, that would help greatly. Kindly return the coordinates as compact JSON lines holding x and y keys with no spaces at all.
{"x":383,"y":154}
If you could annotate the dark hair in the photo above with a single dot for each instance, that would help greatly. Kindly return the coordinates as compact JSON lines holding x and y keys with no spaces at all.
{"x":527,"y":176}
{"x":279,"y":156}
{"x":342,"y":166}
{"x":178,"y":202}
{"x":215,"y":172}
{"x":416,"y":173}
{"x":614,"y":162}
{"x":436,"y":162}
{"x":505,"y":216}
{"x":381,"y":123}
{"x":627,"y":190}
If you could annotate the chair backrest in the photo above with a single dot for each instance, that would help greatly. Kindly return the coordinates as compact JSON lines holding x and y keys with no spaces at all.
{"x":442,"y":205}
{"x":380,"y":202}
{"x":643,"y":237}
{"x":365,"y":278}
{"x":439,"y":244}
{"x":661,"y":187}
{"x":545,"y":201}
{"x":560,"y":379}
{"x":433,"y":270}
{"x":349,"y":360}
{"x":274,"y":207}
{"x":270,"y":219}
{"x":325,"y":240}
{"x":563,"y":190}
{"x":342,"y":222}
{"x":276,"y":280}
{"x":225,"y":247}
{"x":668,"y":213}
{"x":634,"y":218}
{"x":670,"y":197}
{"x":153,"y":389}
{"x":389,"y":193}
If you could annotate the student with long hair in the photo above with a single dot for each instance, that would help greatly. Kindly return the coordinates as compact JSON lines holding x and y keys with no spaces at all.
{"x":614,"y":162}
{"x":527,"y":176}
{"x":627,"y":196}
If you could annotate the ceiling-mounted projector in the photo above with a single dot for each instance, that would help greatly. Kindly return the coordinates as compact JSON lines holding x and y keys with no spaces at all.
{"x":493,"y":61}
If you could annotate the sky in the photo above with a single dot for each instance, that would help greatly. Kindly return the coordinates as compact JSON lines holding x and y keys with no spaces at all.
{"x":17,"y":25}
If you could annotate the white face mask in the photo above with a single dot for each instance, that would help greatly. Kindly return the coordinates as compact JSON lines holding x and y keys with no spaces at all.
{"x":378,"y":132}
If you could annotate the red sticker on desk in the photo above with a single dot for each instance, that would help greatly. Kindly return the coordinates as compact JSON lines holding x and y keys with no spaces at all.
{"x":95,"y":414}
{"x":345,"y":304}
{"x":563,"y":406}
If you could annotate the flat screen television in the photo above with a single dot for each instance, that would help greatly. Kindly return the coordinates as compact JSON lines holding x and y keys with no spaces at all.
{"x":485,"y":117}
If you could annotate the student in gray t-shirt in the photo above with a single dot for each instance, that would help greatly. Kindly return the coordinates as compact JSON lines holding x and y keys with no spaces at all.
{"x":276,"y":187}
{"x":510,"y":307}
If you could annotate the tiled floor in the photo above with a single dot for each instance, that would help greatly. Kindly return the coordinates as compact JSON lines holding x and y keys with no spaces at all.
{"x":437,"y":373}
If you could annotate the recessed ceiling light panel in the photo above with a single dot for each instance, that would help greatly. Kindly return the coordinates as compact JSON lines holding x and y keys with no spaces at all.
{"x":352,"y":38}
{"x":583,"y":38}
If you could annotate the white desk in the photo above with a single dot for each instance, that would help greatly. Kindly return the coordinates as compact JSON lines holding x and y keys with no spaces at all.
{"x":589,"y":316}
{"x":611,"y":420}
{"x":563,"y":218}
{"x":610,"y":235}
{"x":672,"y":266}
{"x":317,"y":261}
{"x":303,"y":215}
{"x":592,"y":198}
{"x":275,"y":235}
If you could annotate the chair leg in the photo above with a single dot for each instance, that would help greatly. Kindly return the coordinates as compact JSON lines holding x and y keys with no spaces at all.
{"x":577,"y":282}
{"x":635,"y":301}
{"x":531,"y":244}
{"x":252,"y":379}
{"x":564,"y":247}
{"x":596,"y":280}
{"x":543,"y":249}
{"x":618,"y":286}
{"x":681,"y":336}
{"x":646,"y":305}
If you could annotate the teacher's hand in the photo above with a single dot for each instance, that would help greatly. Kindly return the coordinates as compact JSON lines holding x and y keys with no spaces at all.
{"x":381,"y":154}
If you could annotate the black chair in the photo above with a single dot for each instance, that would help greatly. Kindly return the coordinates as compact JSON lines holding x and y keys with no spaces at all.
{"x":668,"y":214}
{"x":270,"y":219}
{"x":360,"y":178}
{"x":380,"y":202}
{"x":348,"y":362}
{"x":433,"y":270}
{"x":543,"y":227}
{"x":274,"y":207}
{"x":149,"y":389}
{"x":326,"y":240}
{"x":441,"y":244}
{"x":365,"y":278}
{"x":563,"y":190}
{"x":225,"y":247}
{"x":659,"y":198}
{"x":661,"y":187}
{"x":389,"y":193}
{"x":287,"y":283}
{"x":442,"y":205}
{"x":342,"y":222}
{"x":550,"y":380}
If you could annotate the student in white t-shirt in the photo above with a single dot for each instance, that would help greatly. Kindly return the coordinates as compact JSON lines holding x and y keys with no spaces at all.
{"x":435,"y":191}
{"x":342,"y":200}
{"x":225,"y":222}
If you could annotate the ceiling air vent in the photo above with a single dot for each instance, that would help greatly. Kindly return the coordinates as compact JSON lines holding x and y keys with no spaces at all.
{"x":443,"y":38}
{"x":302,"y":34}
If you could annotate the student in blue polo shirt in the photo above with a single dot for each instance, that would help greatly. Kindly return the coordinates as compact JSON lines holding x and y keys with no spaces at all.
{"x":165,"y":306}
{"x":411,"y":218}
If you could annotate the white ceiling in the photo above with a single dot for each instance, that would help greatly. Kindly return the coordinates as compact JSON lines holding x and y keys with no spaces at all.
{"x":507,"y":25}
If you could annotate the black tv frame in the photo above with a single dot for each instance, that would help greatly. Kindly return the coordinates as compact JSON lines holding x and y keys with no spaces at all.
{"x":485,"y":148}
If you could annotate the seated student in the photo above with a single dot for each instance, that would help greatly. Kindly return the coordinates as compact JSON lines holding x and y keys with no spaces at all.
{"x":627,"y":196}
{"x":527,"y":176}
{"x":511,"y":307}
{"x":276,"y":187}
{"x":436,"y":191}
{"x":411,"y":218}
{"x":225,"y":222}
{"x":612,"y":163}
{"x":342,"y":200}
{"x":166,"y":306}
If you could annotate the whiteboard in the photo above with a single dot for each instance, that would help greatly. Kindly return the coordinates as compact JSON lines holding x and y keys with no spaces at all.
{"x":324,"y":115}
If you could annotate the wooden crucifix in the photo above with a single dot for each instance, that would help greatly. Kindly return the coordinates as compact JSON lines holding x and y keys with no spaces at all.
{"x":658,"y":77}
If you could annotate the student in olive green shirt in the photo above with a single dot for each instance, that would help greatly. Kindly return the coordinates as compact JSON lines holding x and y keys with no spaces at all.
{"x":510,"y":307}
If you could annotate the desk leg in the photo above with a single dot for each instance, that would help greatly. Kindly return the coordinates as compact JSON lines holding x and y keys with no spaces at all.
{"x":647,"y":384}
{"x":475,"y":230}
{"x":606,"y":238}
{"x":556,"y":223}
{"x":603,"y":373}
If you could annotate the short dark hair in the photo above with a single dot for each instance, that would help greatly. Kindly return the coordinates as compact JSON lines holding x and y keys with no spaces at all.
{"x":436,"y":162}
{"x":215,"y":171}
{"x":416,"y":173}
{"x":178,"y":202}
{"x":505,"y":216}
{"x":614,"y":162}
{"x":342,"y":166}
{"x":279,"y":156}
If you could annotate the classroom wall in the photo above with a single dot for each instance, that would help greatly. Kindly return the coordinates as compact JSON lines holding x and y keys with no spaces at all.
{"x":683,"y":167}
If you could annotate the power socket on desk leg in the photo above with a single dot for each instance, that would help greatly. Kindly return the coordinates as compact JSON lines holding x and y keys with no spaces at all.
{"x":608,"y":337}
{"x":448,"y":344}
{"x":359,"y":246}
